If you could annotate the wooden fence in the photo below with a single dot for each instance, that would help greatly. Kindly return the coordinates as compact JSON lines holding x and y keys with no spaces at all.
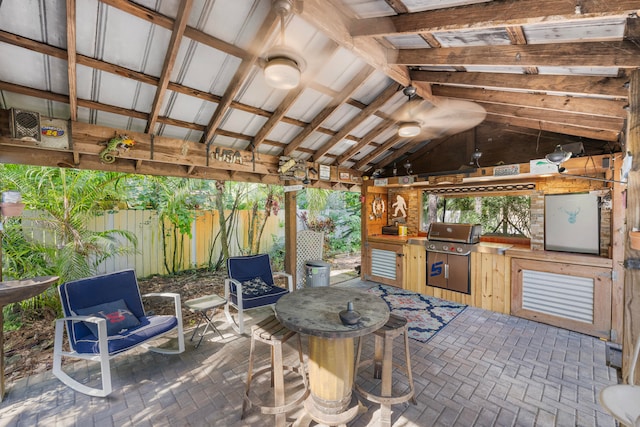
{"x":193,"y":252}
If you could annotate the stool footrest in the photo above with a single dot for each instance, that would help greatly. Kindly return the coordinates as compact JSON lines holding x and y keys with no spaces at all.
{"x":389,"y":400}
{"x":272,"y":333}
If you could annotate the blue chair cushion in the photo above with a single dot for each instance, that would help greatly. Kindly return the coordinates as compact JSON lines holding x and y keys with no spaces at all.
{"x":116,"y":313}
{"x":149,"y":327}
{"x":256,"y":293}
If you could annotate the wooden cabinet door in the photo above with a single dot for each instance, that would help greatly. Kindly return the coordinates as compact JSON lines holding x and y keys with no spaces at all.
{"x":574,"y":297}
{"x":415,"y":267}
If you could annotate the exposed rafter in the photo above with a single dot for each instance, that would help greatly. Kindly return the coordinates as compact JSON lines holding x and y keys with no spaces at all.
{"x":490,"y":15}
{"x":169,"y":61}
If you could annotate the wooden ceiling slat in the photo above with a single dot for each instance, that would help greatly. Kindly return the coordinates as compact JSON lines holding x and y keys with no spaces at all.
{"x":156,"y":18}
{"x":98,"y":106}
{"x":612,"y":124}
{"x":613,"y":87}
{"x":267,"y":27}
{"x":561,"y":128}
{"x":340,"y":100}
{"x":36,"y":93}
{"x":184,"y":10}
{"x":490,"y":14}
{"x":410,"y":145}
{"x":71,"y":59}
{"x":36,"y":46}
{"x":389,"y":143}
{"x":391,"y":90}
{"x":589,"y":54}
{"x":366,"y":140}
{"x":583,"y":105}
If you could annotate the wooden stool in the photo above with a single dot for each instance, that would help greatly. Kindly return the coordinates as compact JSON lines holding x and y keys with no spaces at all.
{"x":271,"y":332}
{"x":383,"y":366}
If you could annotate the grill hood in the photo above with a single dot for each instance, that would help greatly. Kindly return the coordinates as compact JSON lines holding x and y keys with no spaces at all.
{"x":453,"y":232}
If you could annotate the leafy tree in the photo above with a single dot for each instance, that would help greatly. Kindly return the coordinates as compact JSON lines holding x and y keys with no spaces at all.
{"x":60,"y":202}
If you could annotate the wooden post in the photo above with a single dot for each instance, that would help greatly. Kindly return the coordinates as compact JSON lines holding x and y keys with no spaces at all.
{"x":632,"y":275}
{"x":290,"y":230}
{"x":618,"y":239}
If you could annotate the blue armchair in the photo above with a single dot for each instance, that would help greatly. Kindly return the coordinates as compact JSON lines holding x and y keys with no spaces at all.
{"x":104,"y":317}
{"x":250,"y":284}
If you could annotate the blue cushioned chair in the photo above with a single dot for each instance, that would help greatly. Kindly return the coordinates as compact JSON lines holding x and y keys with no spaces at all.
{"x":250,"y":285}
{"x":114,"y":298}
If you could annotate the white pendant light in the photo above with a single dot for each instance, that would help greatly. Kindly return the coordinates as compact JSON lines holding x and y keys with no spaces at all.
{"x":409,"y":129}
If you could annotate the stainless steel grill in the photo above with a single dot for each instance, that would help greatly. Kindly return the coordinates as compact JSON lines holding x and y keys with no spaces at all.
{"x":445,"y":237}
{"x":448,"y":261}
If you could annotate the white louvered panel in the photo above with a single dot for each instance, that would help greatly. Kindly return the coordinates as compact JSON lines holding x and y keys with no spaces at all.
{"x":558,"y":294}
{"x":383,"y":263}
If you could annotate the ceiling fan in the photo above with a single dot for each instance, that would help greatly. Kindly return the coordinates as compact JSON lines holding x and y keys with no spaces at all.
{"x":283,"y":66}
{"x":436,"y":118}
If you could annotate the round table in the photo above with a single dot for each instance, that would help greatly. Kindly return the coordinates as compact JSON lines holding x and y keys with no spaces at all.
{"x":315,"y":312}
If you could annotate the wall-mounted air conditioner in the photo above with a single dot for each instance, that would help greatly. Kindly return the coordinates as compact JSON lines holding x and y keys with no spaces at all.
{"x":25,"y":125}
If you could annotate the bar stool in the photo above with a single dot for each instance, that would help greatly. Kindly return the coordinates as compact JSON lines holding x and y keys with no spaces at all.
{"x":383,"y":366}
{"x":271,"y":332}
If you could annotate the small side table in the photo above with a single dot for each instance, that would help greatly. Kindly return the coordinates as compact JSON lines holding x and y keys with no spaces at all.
{"x":201,"y":306}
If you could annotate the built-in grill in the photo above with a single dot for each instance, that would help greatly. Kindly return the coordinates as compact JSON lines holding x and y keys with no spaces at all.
{"x":448,"y":248}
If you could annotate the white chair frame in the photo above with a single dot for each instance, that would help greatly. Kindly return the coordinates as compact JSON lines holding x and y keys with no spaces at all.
{"x":104,"y":357}
{"x":622,"y":401}
{"x":238,"y":325}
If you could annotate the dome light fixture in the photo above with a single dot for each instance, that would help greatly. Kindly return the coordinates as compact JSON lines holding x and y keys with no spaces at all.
{"x":409,"y":129}
{"x":282,"y":73}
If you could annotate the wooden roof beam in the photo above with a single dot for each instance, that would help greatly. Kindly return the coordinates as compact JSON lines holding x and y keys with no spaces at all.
{"x":589,"y":54}
{"x":410,"y":145}
{"x":267,"y":27}
{"x":612,"y":87}
{"x":574,"y":104}
{"x":389,"y":143}
{"x":163,"y":21}
{"x":562,"y":128}
{"x":71,"y":59}
{"x":334,"y":19}
{"x":355,"y":122}
{"x":184,"y":10}
{"x":151,"y":80}
{"x":343,"y":97}
{"x":366,"y":140}
{"x":489,"y":15}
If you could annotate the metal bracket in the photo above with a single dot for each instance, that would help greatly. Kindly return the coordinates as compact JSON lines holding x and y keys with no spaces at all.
{"x":632,"y":263}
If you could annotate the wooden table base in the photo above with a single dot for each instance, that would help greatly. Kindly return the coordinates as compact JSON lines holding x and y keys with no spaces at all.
{"x":331,"y":382}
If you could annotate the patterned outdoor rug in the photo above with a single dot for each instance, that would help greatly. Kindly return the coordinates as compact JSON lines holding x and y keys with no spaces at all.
{"x":426,"y":315}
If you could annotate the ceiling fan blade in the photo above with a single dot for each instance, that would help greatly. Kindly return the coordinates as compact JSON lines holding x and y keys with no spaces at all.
{"x":413,"y":111}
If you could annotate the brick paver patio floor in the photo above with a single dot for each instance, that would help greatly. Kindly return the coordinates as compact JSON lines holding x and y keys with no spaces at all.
{"x":483,"y":369}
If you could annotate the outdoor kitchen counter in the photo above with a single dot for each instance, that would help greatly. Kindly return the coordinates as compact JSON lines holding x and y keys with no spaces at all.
{"x":559,"y":257}
{"x":482,"y":247}
{"x":390,"y":238}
